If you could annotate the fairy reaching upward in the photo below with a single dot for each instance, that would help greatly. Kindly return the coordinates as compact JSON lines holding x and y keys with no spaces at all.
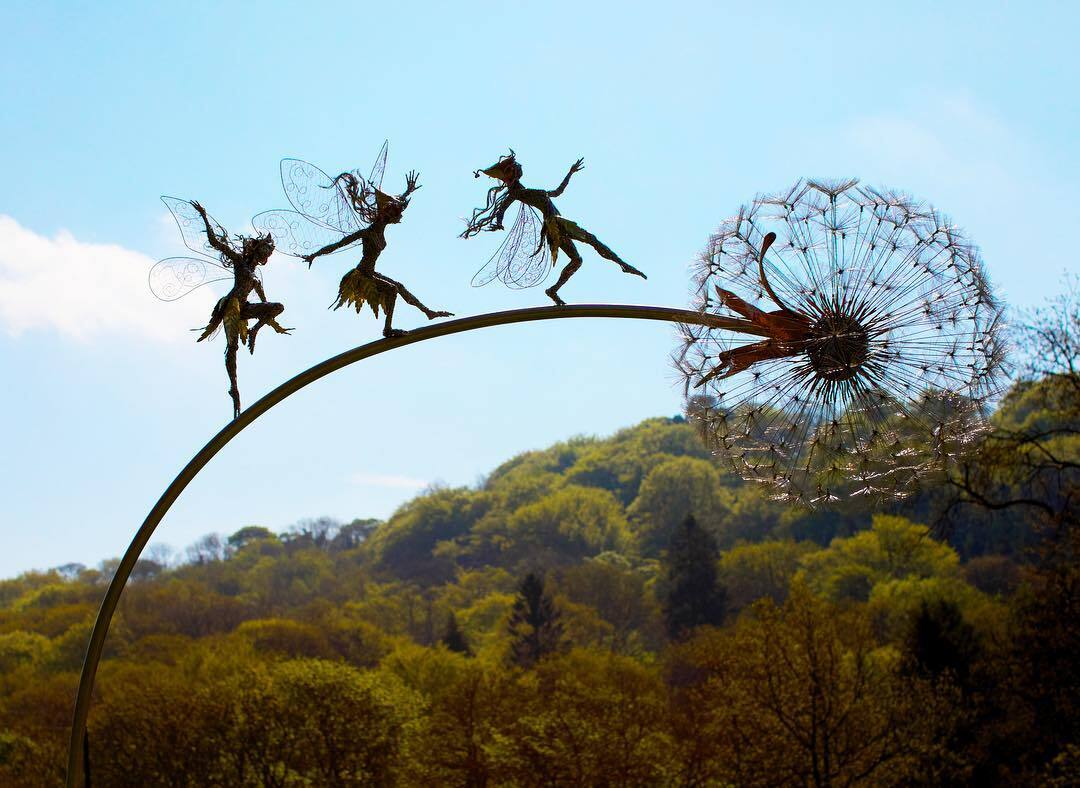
{"x":337,"y":213}
{"x":175,"y":277}
{"x":522,"y":260}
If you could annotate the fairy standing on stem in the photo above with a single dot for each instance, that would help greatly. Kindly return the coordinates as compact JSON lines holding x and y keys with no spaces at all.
{"x":337,"y":213}
{"x":175,"y":277}
{"x":522,"y":259}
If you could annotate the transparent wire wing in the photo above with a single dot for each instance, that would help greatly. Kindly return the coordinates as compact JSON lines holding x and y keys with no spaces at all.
{"x":192,"y":227}
{"x":294,"y":234}
{"x":318,"y":196}
{"x":175,"y":277}
{"x":523,"y":258}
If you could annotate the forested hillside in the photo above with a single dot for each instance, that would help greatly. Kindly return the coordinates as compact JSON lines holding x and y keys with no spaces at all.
{"x":606,"y":611}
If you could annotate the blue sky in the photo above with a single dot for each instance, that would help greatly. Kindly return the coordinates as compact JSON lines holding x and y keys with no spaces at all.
{"x":681,"y":110}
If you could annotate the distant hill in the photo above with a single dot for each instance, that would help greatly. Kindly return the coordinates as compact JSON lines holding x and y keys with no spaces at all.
{"x":256,"y":655}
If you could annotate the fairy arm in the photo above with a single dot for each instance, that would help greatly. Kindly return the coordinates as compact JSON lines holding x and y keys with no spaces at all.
{"x":578,"y":166}
{"x":500,"y":212}
{"x":490,"y":217}
{"x":259,"y":291}
{"x":220,"y":243}
{"x":410,"y":185}
{"x":333,"y":247}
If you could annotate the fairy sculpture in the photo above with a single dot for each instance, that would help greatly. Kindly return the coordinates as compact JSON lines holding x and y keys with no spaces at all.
{"x":337,"y":213}
{"x":522,"y":259}
{"x":175,"y":277}
{"x":788,"y":332}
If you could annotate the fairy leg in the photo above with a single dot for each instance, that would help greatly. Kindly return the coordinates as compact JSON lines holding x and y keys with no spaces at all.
{"x":230,"y":366}
{"x":736,"y":304}
{"x":265,"y":314}
{"x":388,"y":306}
{"x":579,"y":233}
{"x":413,"y":300}
{"x":732,"y":362}
{"x":571,"y":268}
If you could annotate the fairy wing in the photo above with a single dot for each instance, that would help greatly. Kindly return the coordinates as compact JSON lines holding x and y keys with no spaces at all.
{"x":318,"y":197}
{"x":294,"y":234}
{"x":372,"y":181}
{"x":522,"y":259}
{"x":529,"y":266}
{"x":175,"y":277}
{"x":192,"y":227}
{"x":375,"y":179}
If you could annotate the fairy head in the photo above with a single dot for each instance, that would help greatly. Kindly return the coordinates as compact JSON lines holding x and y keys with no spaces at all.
{"x":389,"y":209}
{"x":506,"y":169}
{"x":258,"y":248}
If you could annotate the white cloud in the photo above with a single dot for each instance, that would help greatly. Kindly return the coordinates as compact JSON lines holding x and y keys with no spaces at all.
{"x":953,"y":144}
{"x":86,"y":290}
{"x":384,"y":480}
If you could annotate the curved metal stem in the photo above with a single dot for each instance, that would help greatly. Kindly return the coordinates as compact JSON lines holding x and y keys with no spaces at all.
{"x":75,"y":775}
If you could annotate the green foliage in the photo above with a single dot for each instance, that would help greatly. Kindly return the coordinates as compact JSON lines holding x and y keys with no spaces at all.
{"x":674,"y":490}
{"x":620,"y":596}
{"x":564,"y":527}
{"x":285,"y":638}
{"x":865,"y":650}
{"x":586,"y":719}
{"x":249,"y":534}
{"x":19,"y":648}
{"x":757,"y":571}
{"x":893,"y":549}
{"x":405,"y":545}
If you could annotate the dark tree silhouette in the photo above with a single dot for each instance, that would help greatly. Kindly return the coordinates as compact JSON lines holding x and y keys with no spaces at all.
{"x":939,"y":642}
{"x":535,"y":627}
{"x":454,"y":639}
{"x":694,"y":595}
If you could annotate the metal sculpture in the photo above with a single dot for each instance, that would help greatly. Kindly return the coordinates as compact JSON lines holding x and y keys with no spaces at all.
{"x":522,"y":259}
{"x":885,"y":331}
{"x":109,"y":603}
{"x":881,"y":351}
{"x":337,"y":213}
{"x":175,"y":277}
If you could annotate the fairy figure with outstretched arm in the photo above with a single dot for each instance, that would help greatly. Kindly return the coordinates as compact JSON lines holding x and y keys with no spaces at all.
{"x":522,"y":259}
{"x":789,"y":332}
{"x":337,"y":213}
{"x":177,"y":276}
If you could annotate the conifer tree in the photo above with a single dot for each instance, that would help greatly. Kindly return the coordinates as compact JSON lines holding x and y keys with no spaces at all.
{"x":940,"y":641}
{"x":694,"y":594}
{"x":454,"y":639}
{"x":535,"y":628}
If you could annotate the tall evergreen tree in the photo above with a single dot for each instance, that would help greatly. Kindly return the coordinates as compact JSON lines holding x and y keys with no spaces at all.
{"x":453,"y":638}
{"x":535,"y":626}
{"x":940,"y":641}
{"x":694,"y":594}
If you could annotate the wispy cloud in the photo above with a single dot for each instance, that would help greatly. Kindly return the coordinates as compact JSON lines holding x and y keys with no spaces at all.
{"x":952,"y":140}
{"x":86,"y":290}
{"x":387,"y":480}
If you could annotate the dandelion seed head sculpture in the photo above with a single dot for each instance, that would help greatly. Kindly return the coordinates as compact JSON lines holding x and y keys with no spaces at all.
{"x":877,"y":342}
